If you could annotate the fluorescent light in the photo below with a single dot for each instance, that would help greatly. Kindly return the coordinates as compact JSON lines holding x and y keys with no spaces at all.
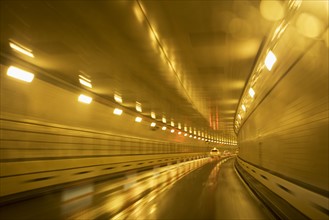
{"x":270,"y":60}
{"x":20,"y":74}
{"x":138,"y":119}
{"x":251,"y":93}
{"x":164,"y":128}
{"x":153,"y":124}
{"x":243,"y":107}
{"x":138,"y":107}
{"x":85,"y":83}
{"x":117,"y":111}
{"x":84,"y":78}
{"x":153,"y":115}
{"x":21,"y":49}
{"x":118,"y":98}
{"x":85,"y":99}
{"x":172,"y":130}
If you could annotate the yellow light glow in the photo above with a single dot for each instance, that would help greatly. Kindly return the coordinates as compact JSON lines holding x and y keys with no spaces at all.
{"x":194,"y":137}
{"x":153,"y":115}
{"x":172,"y":130}
{"x":185,"y":134}
{"x":179,"y":132}
{"x":153,"y":124}
{"x":138,"y":119}
{"x":272,"y":10}
{"x":270,"y":60}
{"x":243,"y":107}
{"x":84,"y":78}
{"x":164,"y":128}
{"x":21,"y":49}
{"x":239,"y":116}
{"x":85,"y":83}
{"x":309,"y":25}
{"x":172,"y":123}
{"x":85,"y":99}
{"x":138,"y":107}
{"x":164,"y":120}
{"x":20,"y":74}
{"x":117,"y":111}
{"x":118,"y":98}
{"x":199,"y":138}
{"x":185,"y":128}
{"x":251,"y":93}
{"x":179,"y":126}
{"x":191,"y":136}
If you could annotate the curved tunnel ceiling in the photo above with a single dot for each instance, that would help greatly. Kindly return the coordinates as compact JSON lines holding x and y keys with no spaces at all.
{"x":187,"y":61}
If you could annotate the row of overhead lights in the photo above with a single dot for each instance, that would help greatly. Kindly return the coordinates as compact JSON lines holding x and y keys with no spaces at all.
{"x":269,"y":62}
{"x":26,"y":76}
{"x":307,"y":23}
{"x":201,"y":136}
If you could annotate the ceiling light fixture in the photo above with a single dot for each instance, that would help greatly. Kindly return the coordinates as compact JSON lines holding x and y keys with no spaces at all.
{"x":270,"y":60}
{"x":138,"y":107}
{"x":85,"y":99}
{"x":117,"y":111}
{"x":85,"y":83}
{"x":20,"y":74}
{"x":251,"y":93}
{"x":117,"y":98}
{"x":21,"y":49}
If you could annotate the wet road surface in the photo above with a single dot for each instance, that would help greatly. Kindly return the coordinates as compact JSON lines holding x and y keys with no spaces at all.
{"x":212,"y":191}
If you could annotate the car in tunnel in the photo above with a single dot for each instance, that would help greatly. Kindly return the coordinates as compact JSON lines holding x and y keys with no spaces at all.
{"x":215,"y":152}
